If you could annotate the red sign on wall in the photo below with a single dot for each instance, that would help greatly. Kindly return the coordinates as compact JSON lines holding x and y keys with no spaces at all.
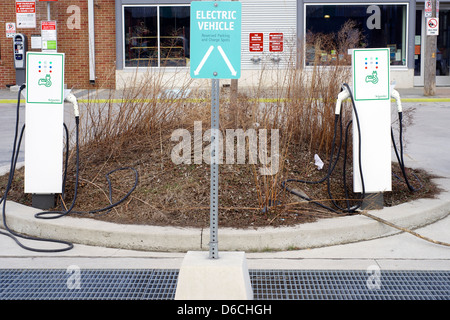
{"x":26,"y":7}
{"x":48,"y":25}
{"x":276,"y":42}
{"x":256,"y":42}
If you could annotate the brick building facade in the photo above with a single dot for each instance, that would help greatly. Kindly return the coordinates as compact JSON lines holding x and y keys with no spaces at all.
{"x":73,"y":40}
{"x":120,"y":52}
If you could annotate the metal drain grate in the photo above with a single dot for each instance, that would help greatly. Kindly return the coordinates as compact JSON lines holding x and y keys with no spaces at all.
{"x":160,"y":284}
{"x":93,"y":284}
{"x":350,"y":285}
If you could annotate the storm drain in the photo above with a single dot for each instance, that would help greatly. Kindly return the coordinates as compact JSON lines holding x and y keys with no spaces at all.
{"x":160,"y":284}
{"x":350,"y":285}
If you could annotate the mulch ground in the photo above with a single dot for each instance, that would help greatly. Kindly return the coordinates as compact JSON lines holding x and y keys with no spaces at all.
{"x":169,"y":194}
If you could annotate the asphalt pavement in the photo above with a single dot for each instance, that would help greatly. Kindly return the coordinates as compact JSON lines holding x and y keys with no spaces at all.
{"x":333,"y":244}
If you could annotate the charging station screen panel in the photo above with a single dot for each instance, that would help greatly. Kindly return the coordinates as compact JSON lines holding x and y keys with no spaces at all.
{"x":45,"y":77}
{"x":371,"y":74}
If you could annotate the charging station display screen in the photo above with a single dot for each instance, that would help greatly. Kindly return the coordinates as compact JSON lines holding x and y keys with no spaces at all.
{"x":45,"y":76}
{"x":371,"y":74}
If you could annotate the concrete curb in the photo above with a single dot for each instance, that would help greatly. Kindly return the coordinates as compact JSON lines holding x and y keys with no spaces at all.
{"x":325,"y":232}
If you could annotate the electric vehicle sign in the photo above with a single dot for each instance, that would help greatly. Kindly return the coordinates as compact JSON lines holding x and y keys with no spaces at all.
{"x":45,"y":77}
{"x":371,"y":74}
{"x":215,"y":40}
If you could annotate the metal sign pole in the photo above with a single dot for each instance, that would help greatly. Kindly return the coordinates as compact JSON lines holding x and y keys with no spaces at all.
{"x":212,"y":21}
{"x":214,"y":189}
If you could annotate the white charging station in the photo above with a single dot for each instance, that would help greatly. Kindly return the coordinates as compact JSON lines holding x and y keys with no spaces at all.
{"x":372,"y":96}
{"x":44,"y":118}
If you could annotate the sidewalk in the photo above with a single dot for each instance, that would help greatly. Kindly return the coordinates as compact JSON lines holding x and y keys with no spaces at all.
{"x":340,"y":243}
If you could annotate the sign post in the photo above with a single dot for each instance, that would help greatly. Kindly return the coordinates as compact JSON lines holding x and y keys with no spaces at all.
{"x":215,"y":54}
{"x":216,"y":37}
{"x":432,"y":25}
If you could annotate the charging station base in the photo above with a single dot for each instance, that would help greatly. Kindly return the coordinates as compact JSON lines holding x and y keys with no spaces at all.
{"x":43,"y":201}
{"x":203,"y":278}
{"x":373,"y":201}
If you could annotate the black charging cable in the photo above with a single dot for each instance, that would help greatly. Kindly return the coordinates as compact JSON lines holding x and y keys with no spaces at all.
{"x":59,"y":214}
{"x":9,"y":232}
{"x":54,"y":214}
{"x":332,"y":166}
{"x":400,"y":158}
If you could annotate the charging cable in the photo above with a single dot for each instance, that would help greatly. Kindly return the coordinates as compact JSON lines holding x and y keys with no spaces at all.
{"x":53,"y":214}
{"x":58,"y":214}
{"x":400,"y":159}
{"x":9,"y":232}
{"x":344,"y":94}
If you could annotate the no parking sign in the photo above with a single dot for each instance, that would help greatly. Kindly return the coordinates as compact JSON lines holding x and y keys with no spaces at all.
{"x":432,"y":26}
{"x":10,"y":29}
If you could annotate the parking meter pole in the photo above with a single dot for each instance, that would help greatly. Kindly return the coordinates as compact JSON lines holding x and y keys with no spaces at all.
{"x":214,"y":188}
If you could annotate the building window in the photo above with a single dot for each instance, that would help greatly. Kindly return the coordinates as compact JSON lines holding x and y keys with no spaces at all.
{"x":330,"y":30}
{"x":156,"y":36}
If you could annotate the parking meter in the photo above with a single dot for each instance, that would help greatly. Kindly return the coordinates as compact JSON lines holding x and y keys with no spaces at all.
{"x":20,"y":60}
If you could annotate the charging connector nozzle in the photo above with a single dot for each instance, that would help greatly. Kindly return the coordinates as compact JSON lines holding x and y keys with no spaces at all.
{"x":344,"y":94}
{"x":396,"y":96}
{"x":72,"y":99}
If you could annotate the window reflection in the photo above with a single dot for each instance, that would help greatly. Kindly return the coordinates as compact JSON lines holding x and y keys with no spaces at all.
{"x":333,"y":29}
{"x":149,"y":44}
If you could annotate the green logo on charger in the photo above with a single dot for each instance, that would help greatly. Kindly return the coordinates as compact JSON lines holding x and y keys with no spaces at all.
{"x":372,"y":78}
{"x":45,"y":81}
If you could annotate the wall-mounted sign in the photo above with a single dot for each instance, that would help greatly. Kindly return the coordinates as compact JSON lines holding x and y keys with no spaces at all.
{"x":36,"y":42}
{"x":276,"y":42}
{"x":10,"y":29}
{"x":26,"y":13}
{"x":256,"y":42}
{"x":48,"y":36}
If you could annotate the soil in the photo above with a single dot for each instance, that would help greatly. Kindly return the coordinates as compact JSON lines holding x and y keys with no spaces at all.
{"x":169,"y":194}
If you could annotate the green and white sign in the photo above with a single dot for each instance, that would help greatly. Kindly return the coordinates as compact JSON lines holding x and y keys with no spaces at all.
{"x":45,"y":78}
{"x":371,"y":74}
{"x":215,"y":39}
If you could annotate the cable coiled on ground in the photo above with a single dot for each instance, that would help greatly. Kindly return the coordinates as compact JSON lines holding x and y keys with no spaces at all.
{"x":54,"y":214}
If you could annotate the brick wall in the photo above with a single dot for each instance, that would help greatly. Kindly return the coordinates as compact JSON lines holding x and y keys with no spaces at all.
{"x":72,"y":40}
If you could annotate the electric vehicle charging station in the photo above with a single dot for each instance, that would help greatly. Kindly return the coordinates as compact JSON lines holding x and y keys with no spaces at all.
{"x":44,"y":119}
{"x":372,"y":98}
{"x":20,"y":61}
